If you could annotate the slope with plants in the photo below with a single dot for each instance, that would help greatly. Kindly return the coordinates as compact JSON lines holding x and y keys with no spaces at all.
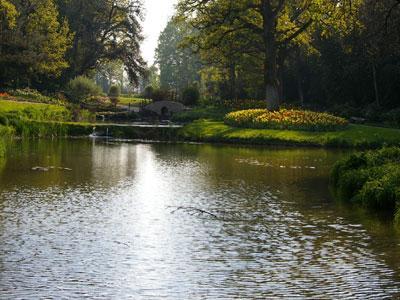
{"x":370,"y":179}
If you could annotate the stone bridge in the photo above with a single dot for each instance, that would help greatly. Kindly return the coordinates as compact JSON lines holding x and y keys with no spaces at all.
{"x":165,"y":108}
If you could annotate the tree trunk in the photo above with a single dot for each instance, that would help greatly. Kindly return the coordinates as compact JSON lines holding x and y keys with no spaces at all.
{"x":300,"y":91}
{"x":299,"y":79}
{"x":376,"y":89}
{"x":271,"y":81}
{"x":232,"y":81}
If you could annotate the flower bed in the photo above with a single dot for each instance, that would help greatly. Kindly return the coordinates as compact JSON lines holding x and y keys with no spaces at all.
{"x":29,"y":95}
{"x":285,"y":119}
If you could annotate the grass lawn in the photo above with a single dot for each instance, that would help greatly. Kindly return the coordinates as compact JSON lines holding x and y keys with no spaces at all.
{"x":357,"y":136}
{"x":132,"y":101}
{"x":33,"y":111}
{"x":8,"y":105}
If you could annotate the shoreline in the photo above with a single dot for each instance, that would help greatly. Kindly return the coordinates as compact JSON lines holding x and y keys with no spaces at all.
{"x":216,"y":132}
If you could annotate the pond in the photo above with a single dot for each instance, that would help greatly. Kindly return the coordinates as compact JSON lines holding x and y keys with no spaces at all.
{"x":182,"y":221}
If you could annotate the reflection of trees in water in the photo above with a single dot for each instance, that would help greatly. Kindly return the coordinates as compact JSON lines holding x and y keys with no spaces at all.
{"x":2,"y":154}
{"x":58,"y":156}
{"x":3,"y":161}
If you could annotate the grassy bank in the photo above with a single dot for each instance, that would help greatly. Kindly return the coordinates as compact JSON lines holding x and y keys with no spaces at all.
{"x":33,"y":111}
{"x":370,"y":179}
{"x":27,"y":119}
{"x":44,"y":120}
{"x":76,"y":129}
{"x":356,"y":136}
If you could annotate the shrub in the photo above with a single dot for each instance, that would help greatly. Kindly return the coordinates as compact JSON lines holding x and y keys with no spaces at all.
{"x":81,"y":88}
{"x":371,"y":179}
{"x":2,"y":149}
{"x":31,"y":95}
{"x":191,"y":96}
{"x":285,"y":119}
{"x":114,"y":93}
{"x":97,"y":101}
{"x":373,"y":112}
{"x":81,"y":115}
{"x":210,"y":112}
{"x":160,"y":95}
{"x":148,"y":92}
{"x":242,"y":104}
{"x":392,"y":117}
{"x":346,"y":110}
{"x":4,"y":120}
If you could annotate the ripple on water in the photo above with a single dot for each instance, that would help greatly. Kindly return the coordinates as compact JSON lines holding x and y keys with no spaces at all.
{"x":121,"y":241}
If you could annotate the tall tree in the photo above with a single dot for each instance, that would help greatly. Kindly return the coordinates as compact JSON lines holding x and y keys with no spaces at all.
{"x":35,"y":46}
{"x":179,"y":67}
{"x":274,"y":26}
{"x":105,"y":30}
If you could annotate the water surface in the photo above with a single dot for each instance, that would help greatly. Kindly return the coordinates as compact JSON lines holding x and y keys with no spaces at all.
{"x":164,"y":221}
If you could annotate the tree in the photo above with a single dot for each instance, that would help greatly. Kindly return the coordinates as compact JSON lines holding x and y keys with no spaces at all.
{"x":179,"y":67}
{"x":109,"y":73}
{"x":34,"y":46}
{"x":105,"y":30}
{"x":8,"y":15}
{"x":271,"y":27}
{"x":149,"y":81}
{"x":380,"y":37}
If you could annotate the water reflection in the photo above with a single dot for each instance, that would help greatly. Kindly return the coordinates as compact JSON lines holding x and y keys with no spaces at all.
{"x":105,"y":229}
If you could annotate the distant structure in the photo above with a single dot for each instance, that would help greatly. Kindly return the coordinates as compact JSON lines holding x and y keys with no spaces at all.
{"x":165,"y":109}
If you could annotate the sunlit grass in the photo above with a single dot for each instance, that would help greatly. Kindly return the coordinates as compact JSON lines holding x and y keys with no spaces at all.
{"x":7,"y":106}
{"x":124,"y":100}
{"x":353,"y":136}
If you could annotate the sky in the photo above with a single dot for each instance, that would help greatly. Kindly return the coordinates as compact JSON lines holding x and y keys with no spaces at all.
{"x":157,"y":15}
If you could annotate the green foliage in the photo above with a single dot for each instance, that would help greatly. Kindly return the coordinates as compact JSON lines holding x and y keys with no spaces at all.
{"x":148,"y":92}
{"x":8,"y":14}
{"x":392,"y":117}
{"x":114,"y":94}
{"x":160,"y":94}
{"x":35,"y":47}
{"x":191,"y":95}
{"x":198,"y":113}
{"x":81,"y":88}
{"x":104,"y":31}
{"x":285,"y":119}
{"x":33,"y":95}
{"x":179,"y":66}
{"x":228,"y":32}
{"x":108,"y":73}
{"x":373,"y":112}
{"x":2,"y":149}
{"x":371,"y":179}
